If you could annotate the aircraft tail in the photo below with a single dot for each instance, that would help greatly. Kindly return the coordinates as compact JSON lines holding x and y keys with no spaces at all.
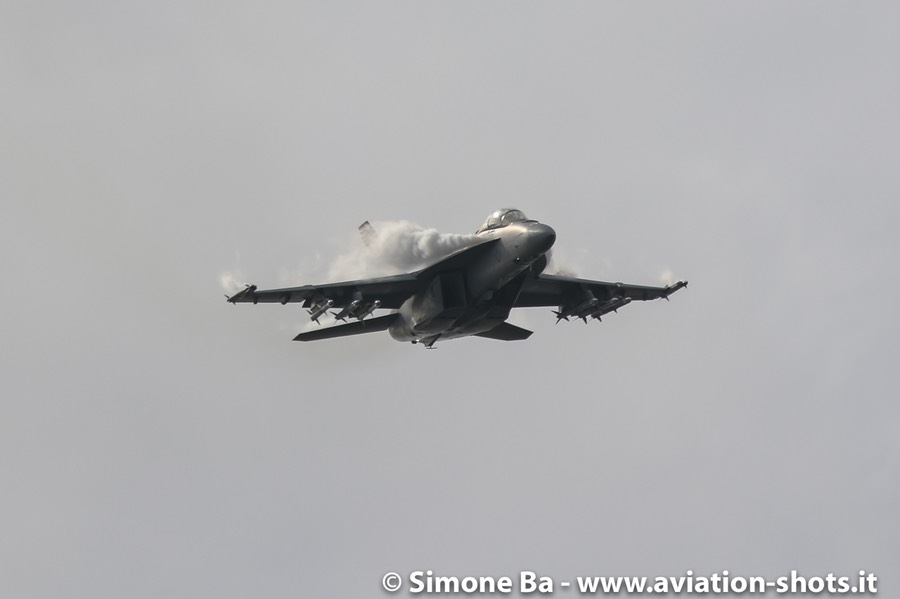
{"x":506,"y":332}
{"x":367,"y":232}
{"x":371,"y":325}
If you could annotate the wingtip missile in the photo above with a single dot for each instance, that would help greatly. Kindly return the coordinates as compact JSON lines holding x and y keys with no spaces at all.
{"x":245,"y":294}
{"x":670,"y":289}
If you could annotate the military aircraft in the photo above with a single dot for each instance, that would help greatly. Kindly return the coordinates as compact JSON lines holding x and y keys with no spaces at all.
{"x":469,"y":292}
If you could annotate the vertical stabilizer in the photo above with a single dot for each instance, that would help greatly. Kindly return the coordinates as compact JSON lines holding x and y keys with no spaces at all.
{"x":367,"y":232}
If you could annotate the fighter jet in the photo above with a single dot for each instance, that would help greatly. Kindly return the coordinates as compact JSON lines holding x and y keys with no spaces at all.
{"x":469,"y":292}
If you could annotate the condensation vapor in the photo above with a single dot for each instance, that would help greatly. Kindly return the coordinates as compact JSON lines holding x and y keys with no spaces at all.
{"x":392,"y":247}
{"x":396,"y":247}
{"x":232,"y":281}
{"x":559,"y":264}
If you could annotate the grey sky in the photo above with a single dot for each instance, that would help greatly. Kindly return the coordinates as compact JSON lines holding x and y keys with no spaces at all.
{"x":157,"y":442}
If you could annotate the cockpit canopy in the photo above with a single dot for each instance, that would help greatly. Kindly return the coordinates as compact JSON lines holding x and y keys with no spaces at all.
{"x":501,"y":218}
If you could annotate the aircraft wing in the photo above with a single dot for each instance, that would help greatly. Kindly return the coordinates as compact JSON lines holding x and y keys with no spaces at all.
{"x":392,"y":291}
{"x":361,"y":298}
{"x":556,"y":290}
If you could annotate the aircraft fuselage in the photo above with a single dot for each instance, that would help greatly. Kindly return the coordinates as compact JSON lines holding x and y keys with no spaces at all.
{"x":478,"y":297}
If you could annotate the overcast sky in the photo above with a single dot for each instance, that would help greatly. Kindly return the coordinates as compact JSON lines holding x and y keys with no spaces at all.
{"x":158,"y":442}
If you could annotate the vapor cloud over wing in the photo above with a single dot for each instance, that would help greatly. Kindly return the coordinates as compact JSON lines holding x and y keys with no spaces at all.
{"x":387,"y":247}
{"x":393,"y":247}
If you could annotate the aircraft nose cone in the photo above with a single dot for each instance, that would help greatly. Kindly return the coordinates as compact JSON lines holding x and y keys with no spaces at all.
{"x":542,"y":237}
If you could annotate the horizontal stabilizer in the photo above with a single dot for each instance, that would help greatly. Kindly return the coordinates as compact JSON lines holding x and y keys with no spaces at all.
{"x":372,"y":325}
{"x":506,"y":332}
